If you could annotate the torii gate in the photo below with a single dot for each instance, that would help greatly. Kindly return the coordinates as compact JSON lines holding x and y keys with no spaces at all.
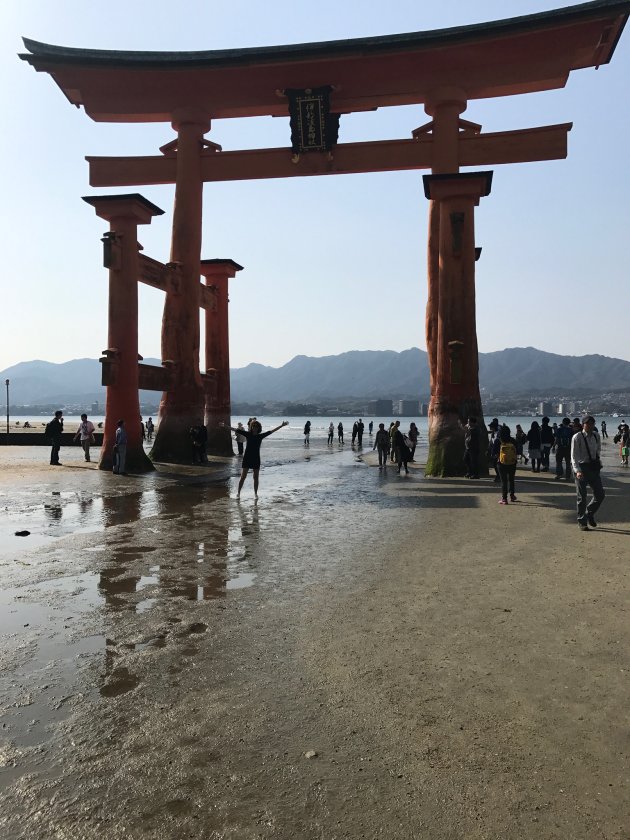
{"x":443,"y":70}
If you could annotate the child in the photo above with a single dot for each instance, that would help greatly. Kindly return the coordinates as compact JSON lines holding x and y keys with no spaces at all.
{"x":505,"y":453}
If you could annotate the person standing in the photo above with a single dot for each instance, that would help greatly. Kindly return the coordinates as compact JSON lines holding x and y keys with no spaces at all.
{"x":564,"y":435}
{"x":360,"y":428}
{"x":381,"y":442}
{"x":604,"y":432}
{"x":251,"y":458}
{"x":370,"y":427}
{"x":120,"y":449}
{"x":143,"y":430}
{"x":196,"y":444}
{"x":493,"y":428}
{"x":54,"y":430}
{"x":402,"y":451}
{"x":521,"y":438}
{"x":340,"y":431}
{"x":586,"y":463}
{"x":505,"y":446}
{"x":471,"y":448}
{"x":413,"y":438}
{"x":392,"y":447}
{"x":355,"y":431}
{"x":546,"y":440}
{"x":240,"y":437}
{"x":150,"y":428}
{"x":624,"y":447}
{"x":331,"y":433}
{"x":535,"y":446}
{"x":307,"y":433}
{"x":203,"y":443}
{"x":86,"y":434}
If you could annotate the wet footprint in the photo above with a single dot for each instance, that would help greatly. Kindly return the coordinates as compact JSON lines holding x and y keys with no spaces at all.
{"x":121,"y":680}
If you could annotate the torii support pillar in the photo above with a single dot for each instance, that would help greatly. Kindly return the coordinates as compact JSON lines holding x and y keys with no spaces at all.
{"x":451,"y":323}
{"x":218,"y":406}
{"x":182,"y":405}
{"x":120,"y":365}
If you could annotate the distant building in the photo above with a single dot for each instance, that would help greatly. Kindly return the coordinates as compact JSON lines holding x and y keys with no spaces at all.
{"x":424,"y":410}
{"x":380,"y":408}
{"x":408,"y":408}
{"x":94,"y":408}
{"x":545,"y":409}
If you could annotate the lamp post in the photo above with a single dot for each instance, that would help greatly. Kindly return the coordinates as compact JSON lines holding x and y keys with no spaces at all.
{"x":6,"y":382}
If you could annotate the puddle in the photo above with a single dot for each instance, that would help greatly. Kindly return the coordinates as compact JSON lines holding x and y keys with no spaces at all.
{"x":242,"y":581}
{"x":36,"y":626}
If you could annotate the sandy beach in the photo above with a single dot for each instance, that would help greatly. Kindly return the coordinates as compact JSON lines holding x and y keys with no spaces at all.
{"x":357,"y":655}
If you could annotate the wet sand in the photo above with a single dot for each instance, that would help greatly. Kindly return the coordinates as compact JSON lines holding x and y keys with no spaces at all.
{"x":171,"y":657}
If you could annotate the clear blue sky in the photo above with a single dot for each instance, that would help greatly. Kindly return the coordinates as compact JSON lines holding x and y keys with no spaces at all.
{"x":333,"y":263}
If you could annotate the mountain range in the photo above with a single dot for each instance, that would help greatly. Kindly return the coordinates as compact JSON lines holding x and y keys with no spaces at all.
{"x":361,"y":373}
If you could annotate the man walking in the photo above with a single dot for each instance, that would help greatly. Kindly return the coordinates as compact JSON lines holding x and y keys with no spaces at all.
{"x":54,"y":430}
{"x":381,"y":442}
{"x":585,"y":459}
{"x":86,"y":434}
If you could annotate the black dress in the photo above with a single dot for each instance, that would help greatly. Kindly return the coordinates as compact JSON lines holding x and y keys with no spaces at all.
{"x":251,"y":458}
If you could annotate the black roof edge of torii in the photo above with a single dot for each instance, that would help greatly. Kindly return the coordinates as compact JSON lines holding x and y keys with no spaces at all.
{"x":53,"y":54}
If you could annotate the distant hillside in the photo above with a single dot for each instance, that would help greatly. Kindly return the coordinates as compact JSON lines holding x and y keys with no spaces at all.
{"x":365,"y":373}
{"x":39,"y":382}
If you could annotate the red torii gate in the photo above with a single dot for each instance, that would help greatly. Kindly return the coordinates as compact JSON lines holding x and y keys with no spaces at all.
{"x":443,"y":70}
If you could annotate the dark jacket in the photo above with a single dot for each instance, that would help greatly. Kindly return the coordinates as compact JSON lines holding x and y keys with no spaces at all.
{"x":54,"y":430}
{"x":533,"y":436}
{"x":471,"y":439}
{"x":546,"y":433}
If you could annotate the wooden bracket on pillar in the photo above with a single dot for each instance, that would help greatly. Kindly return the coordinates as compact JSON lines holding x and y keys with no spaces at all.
{"x":111,"y":250}
{"x":109,"y":366}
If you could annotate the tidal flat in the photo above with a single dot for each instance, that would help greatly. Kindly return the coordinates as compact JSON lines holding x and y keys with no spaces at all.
{"x":356,"y":654}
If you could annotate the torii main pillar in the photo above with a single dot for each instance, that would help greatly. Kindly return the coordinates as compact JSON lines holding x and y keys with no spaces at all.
{"x":451,"y":330}
{"x":455,"y":370}
{"x":124,"y":213}
{"x":217,"y":272}
{"x":182,"y":406}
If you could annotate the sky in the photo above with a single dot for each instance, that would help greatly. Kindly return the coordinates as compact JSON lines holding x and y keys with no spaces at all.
{"x":331,"y":264}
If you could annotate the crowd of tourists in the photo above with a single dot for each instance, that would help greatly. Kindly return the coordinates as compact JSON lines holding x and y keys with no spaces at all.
{"x":576,"y":445}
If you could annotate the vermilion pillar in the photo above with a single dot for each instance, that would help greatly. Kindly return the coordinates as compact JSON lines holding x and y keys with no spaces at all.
{"x":182,"y":406}
{"x":218,"y":406}
{"x":455,"y":382}
{"x":120,"y":372}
